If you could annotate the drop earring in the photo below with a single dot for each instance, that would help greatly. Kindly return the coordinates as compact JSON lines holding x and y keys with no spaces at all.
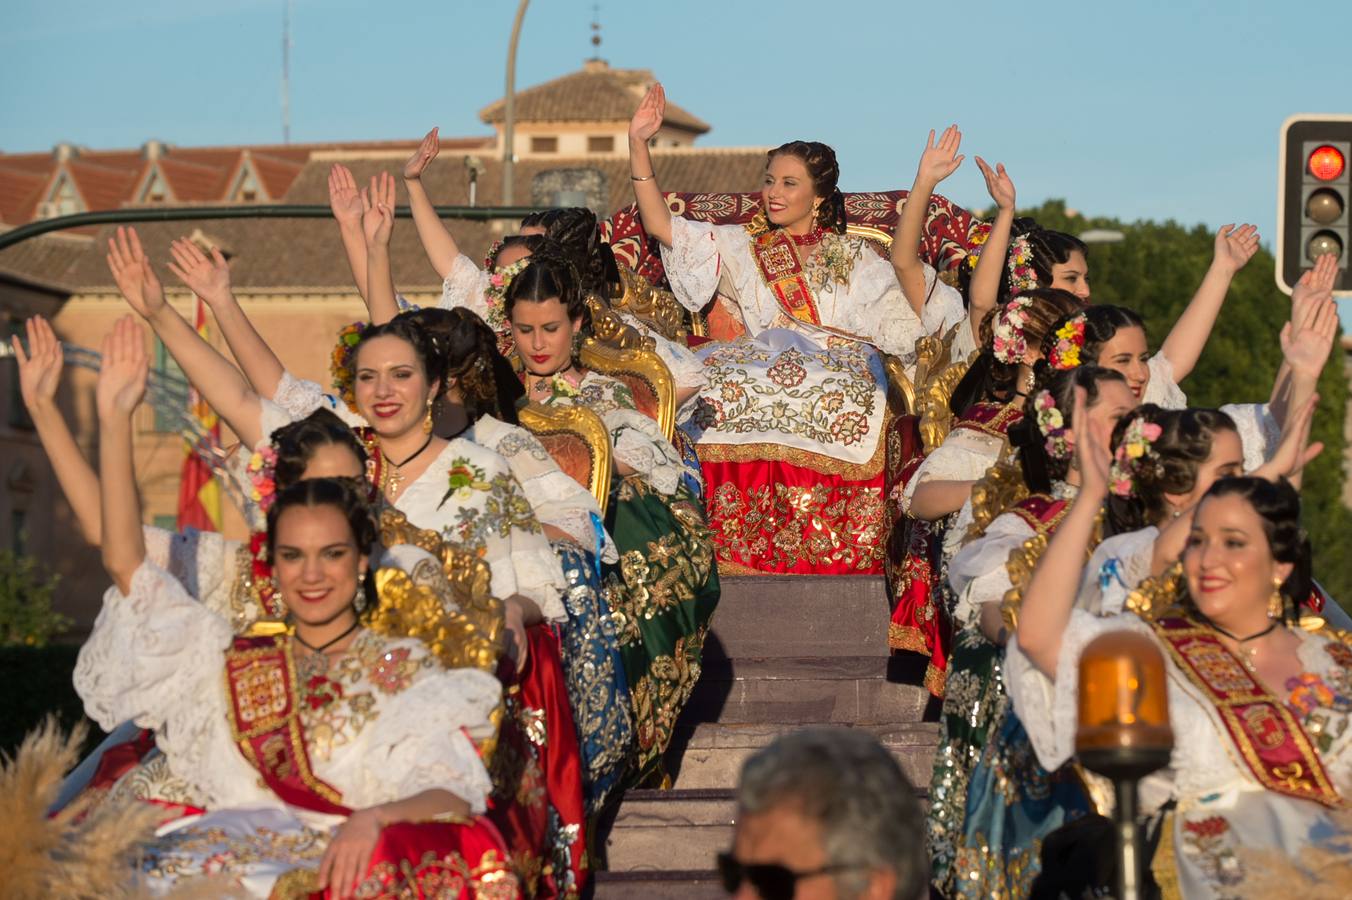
{"x":427,"y":419}
{"x":1276,"y":604}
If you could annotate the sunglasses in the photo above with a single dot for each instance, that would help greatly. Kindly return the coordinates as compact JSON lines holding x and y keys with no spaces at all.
{"x":769,"y":882}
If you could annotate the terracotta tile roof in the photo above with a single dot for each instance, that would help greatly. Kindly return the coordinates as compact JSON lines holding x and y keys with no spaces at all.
{"x":596,"y":93}
{"x":46,"y":261}
{"x":20,"y":192}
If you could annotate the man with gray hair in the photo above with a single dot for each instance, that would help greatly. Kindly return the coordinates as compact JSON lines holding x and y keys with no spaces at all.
{"x":826,"y":813}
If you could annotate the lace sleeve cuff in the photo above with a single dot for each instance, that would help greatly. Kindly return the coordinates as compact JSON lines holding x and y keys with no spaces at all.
{"x":639,"y":446}
{"x":692,"y":262}
{"x":464,"y":286}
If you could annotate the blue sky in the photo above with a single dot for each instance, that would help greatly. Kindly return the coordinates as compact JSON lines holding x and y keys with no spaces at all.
{"x":1142,"y":110}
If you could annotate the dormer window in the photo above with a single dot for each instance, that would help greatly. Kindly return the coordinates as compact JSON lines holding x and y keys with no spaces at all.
{"x":156,"y":189}
{"x":247,"y":188}
{"x":64,"y":200}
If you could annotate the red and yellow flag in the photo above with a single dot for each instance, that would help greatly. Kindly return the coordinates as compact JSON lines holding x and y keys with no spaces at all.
{"x":199,"y":496}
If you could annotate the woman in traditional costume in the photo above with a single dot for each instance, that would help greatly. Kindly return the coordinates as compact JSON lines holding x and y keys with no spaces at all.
{"x":665,"y":588}
{"x":317,"y":744}
{"x":1258,"y":707}
{"x":984,"y":839}
{"x":794,"y":424}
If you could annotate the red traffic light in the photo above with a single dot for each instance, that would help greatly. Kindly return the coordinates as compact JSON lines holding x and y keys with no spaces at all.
{"x":1326,"y":163}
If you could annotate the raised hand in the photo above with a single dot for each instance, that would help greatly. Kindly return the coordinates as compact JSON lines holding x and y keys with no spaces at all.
{"x":1235,"y":246}
{"x":133,"y":274}
{"x":344,"y":198}
{"x":1092,"y":458}
{"x":426,"y":152}
{"x":998,"y":183}
{"x":1313,"y":284}
{"x":647,"y":120}
{"x":377,"y":222}
{"x":40,"y":367}
{"x":940,"y":160}
{"x":1295,"y":451}
{"x":123,"y":370}
{"x":1307,"y":345}
{"x":207,"y":278}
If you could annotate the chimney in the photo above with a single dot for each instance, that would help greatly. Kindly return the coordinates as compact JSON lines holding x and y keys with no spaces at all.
{"x":592,"y":66}
{"x":65,"y":152}
{"x":154,"y":149}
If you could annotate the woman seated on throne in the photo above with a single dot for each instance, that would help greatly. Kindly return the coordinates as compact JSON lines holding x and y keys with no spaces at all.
{"x":794,"y":427}
{"x":333,"y":761}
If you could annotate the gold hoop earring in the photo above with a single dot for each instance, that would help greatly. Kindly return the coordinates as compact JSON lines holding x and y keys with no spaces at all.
{"x":1276,"y":603}
{"x":427,"y":419}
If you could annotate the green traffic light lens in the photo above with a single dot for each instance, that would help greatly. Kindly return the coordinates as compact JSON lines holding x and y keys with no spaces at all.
{"x":1324,"y":206}
{"x":1323,"y":243}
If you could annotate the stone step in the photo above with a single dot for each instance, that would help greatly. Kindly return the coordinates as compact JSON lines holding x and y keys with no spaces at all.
{"x":698,"y":885}
{"x":843,"y":689}
{"x":674,"y":830}
{"x":799,"y":616}
{"x":710,"y":755}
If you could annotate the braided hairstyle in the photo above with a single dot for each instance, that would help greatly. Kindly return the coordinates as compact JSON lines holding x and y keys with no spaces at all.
{"x":1046,"y":250}
{"x":347,"y":495}
{"x":528,"y":241}
{"x":577,"y":231}
{"x":1277,"y":504}
{"x":1170,"y":465}
{"x":1040,"y":468}
{"x":408,"y":327}
{"x":822,"y":168}
{"x":1101,"y":324}
{"x":296,"y":442}
{"x":990,"y":380}
{"x":488,"y":385}
{"x":550,"y":275}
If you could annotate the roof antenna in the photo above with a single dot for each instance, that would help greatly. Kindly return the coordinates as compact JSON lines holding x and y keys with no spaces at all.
{"x":596,"y":31}
{"x":286,"y":72}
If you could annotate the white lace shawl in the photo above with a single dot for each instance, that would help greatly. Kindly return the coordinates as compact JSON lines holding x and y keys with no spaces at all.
{"x":155,"y":656}
{"x":465,"y":285}
{"x":1259,"y":432}
{"x":706,"y":259}
{"x":558,"y":500}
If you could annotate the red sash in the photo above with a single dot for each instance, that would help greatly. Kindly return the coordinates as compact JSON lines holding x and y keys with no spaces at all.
{"x":782,"y":269}
{"x":1269,"y":739}
{"x":1041,"y":512}
{"x":994,"y":419}
{"x":260,"y":676}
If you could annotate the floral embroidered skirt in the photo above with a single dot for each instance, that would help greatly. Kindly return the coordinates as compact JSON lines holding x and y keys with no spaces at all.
{"x":662,"y":595}
{"x":800,"y":451}
{"x":594,"y":670}
{"x":991,"y":802}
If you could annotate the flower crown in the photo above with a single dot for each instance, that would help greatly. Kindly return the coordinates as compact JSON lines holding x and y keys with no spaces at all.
{"x":1065,"y":353}
{"x":1011,"y":325}
{"x":262,"y":475}
{"x":495,"y":292}
{"x":1132,"y":455}
{"x":1019,"y":259}
{"x":340,"y":363}
{"x":1059,"y":442}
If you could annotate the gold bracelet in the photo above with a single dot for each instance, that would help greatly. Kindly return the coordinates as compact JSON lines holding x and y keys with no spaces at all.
{"x":642,"y":178}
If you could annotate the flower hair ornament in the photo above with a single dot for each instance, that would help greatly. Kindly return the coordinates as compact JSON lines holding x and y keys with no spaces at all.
{"x":1018,"y":260}
{"x":340,"y":363}
{"x":1133,"y":455}
{"x":1011,"y":324}
{"x":1065,"y":352}
{"x":495,"y":293}
{"x":1058,"y":440}
{"x":262,"y":474}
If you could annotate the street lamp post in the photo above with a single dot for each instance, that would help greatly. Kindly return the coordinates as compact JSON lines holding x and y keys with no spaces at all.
{"x":509,"y":126}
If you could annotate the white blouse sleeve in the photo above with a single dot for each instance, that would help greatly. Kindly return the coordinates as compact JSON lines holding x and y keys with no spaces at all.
{"x":1259,"y":433}
{"x":422,"y":740}
{"x":1114,"y":570}
{"x":296,"y":398}
{"x":155,"y":657}
{"x":692,"y":262}
{"x":202,"y":562}
{"x":964,"y":455}
{"x":465,"y":285}
{"x":1050,"y":709}
{"x":1162,"y":389}
{"x":977,"y":573}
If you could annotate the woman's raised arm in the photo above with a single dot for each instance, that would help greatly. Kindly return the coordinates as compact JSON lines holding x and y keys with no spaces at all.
{"x":983,"y":292}
{"x":437,"y":241}
{"x":215,"y":378}
{"x":122,"y":384}
{"x":937,"y":162}
{"x":346,"y":203}
{"x":652,"y":209}
{"x":1186,"y":340}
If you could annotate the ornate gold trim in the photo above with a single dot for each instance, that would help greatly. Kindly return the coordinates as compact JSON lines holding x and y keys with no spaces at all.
{"x":575,"y":420}
{"x":639,"y":363}
{"x":817,"y":462}
{"x":899,"y":382}
{"x":936,"y":375}
{"x":871,"y":233}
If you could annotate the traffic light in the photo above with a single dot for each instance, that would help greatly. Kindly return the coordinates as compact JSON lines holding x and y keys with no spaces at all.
{"x":1314,"y":191}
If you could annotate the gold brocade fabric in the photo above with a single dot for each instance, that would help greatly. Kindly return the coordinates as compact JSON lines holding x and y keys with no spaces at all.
{"x":782,"y":526}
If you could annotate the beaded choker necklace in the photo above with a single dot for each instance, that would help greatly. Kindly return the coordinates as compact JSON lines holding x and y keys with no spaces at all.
{"x":810,"y":239}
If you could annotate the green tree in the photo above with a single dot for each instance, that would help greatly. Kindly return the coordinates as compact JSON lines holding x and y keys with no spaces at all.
{"x":1155,"y":270}
{"x":26,"y":615}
